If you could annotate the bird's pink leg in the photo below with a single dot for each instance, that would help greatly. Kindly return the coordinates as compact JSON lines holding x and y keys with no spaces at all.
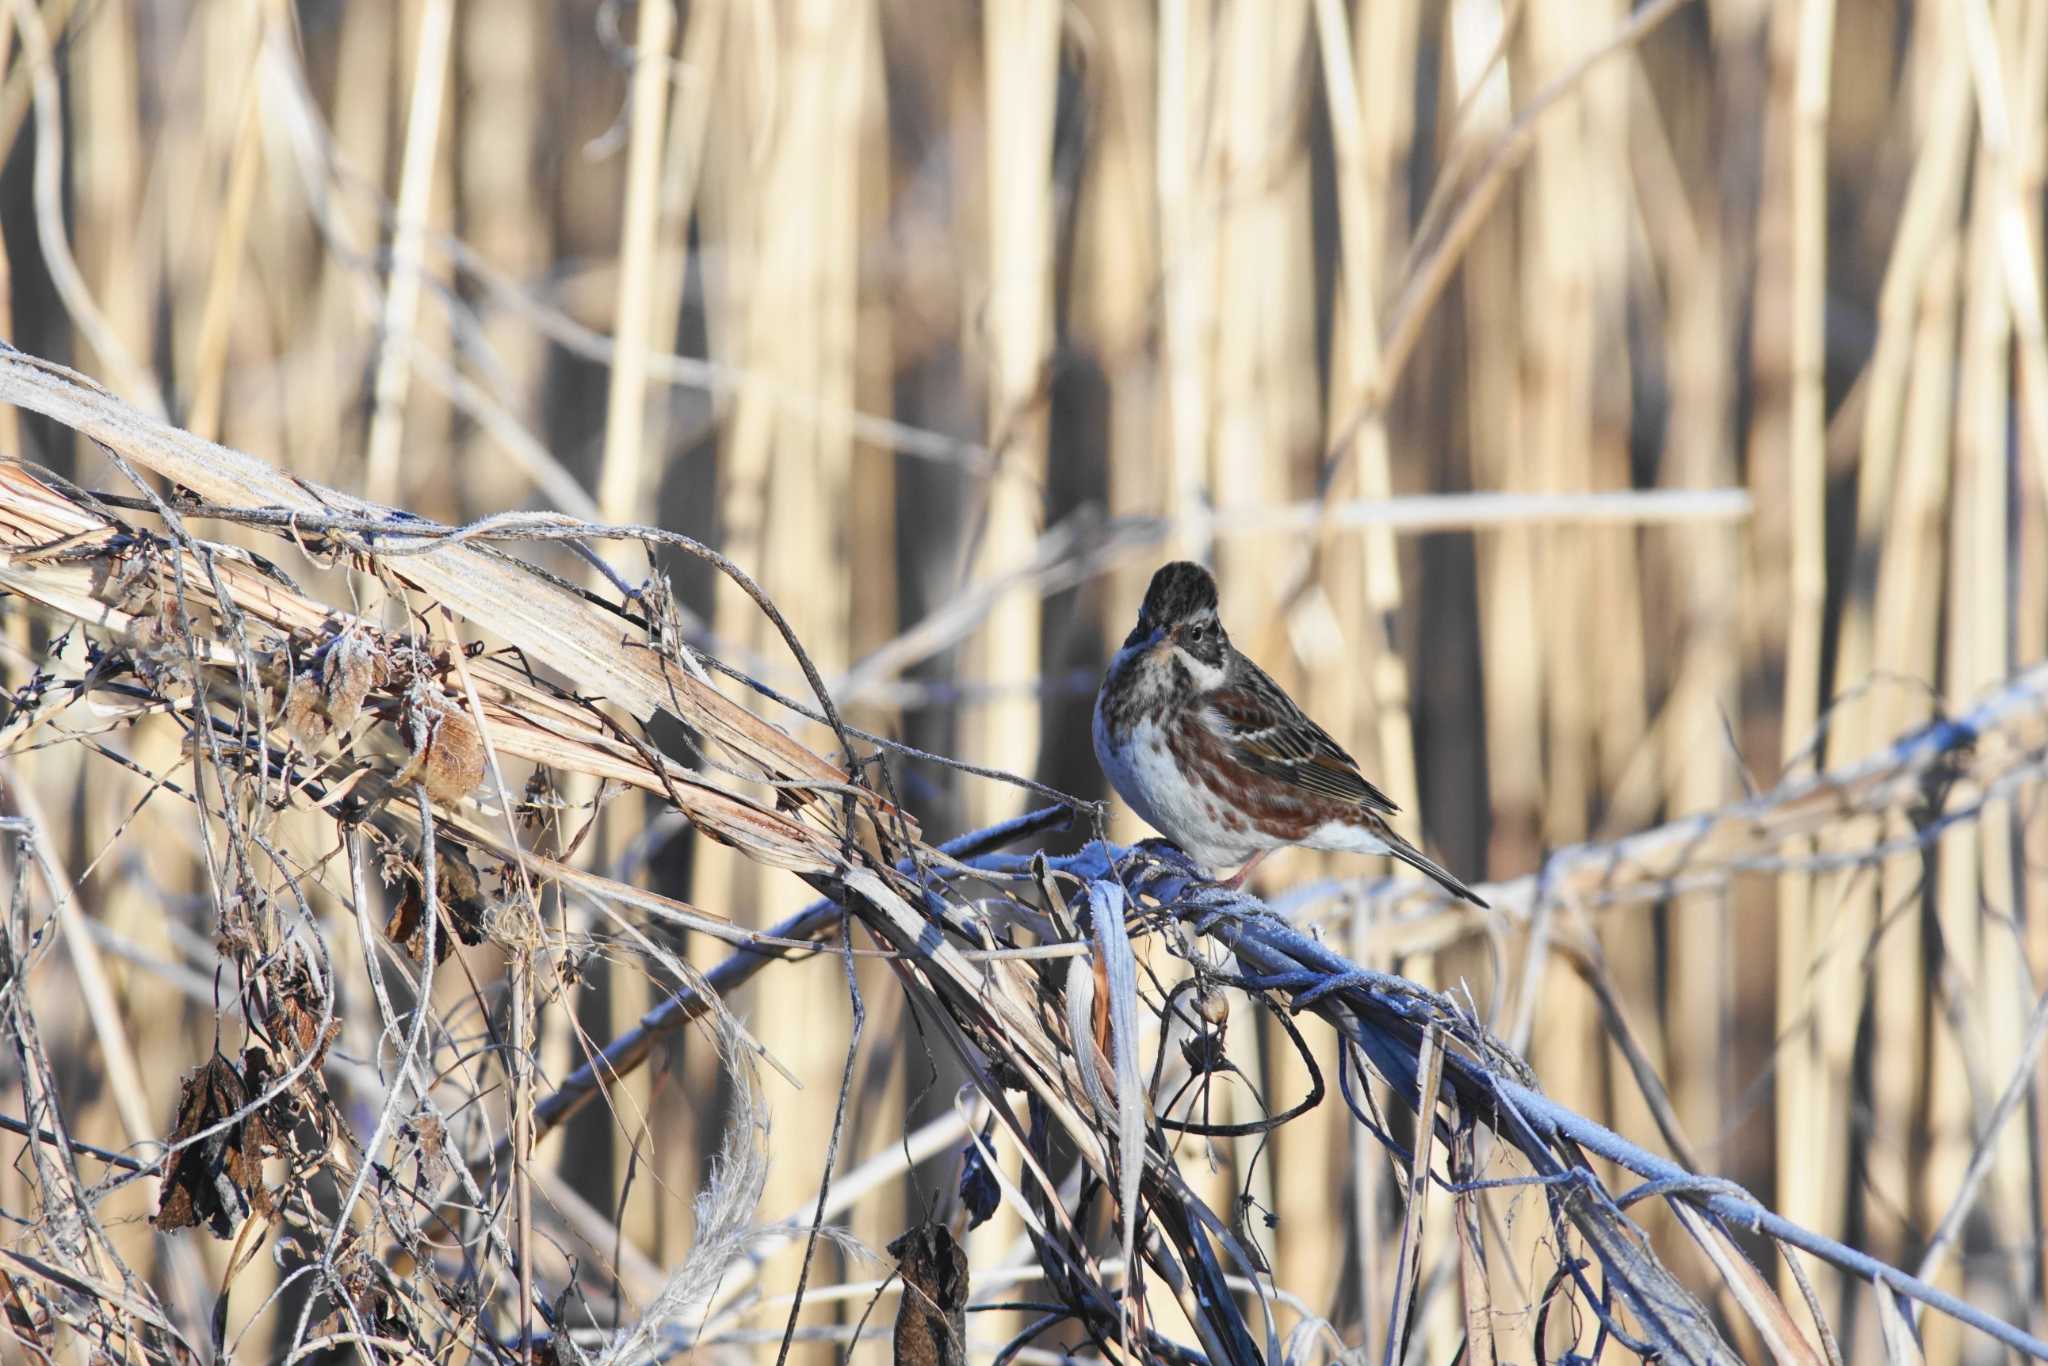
{"x":1237,"y":880}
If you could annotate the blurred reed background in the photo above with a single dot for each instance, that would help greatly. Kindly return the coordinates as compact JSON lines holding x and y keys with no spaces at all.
{"x":951,"y":322}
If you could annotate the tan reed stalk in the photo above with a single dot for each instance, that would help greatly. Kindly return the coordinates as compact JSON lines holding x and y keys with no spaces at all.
{"x":1496,"y":408}
{"x":1167,"y":475}
{"x":1800,"y":918}
{"x":678,"y":1158}
{"x":624,"y":475}
{"x":1786,"y":457}
{"x":1020,"y":56}
{"x":1386,"y":63}
{"x":739,"y":144}
{"x":1572,"y":226}
{"x":1124,"y":245}
{"x":1370,"y":135}
{"x":1962,"y":1063}
{"x":504,"y":212}
{"x":368,"y":45}
{"x":1556,"y":345}
{"x":1512,"y":691}
{"x":2029,"y":614}
{"x":623,"y":479}
{"x":2007,"y":989}
{"x":107,"y":176}
{"x":1265,"y":418}
{"x":1326,"y":612}
{"x":224,"y":274}
{"x":1012,"y":222}
{"x":786,"y":186}
{"x":402,"y":286}
{"x":1619,"y":719}
{"x":1363,"y":578}
{"x":1621,"y":709}
{"x":1908,"y":645}
{"x":853,"y":338}
{"x":1188,"y":59}
{"x":1684,"y":762}
{"x":1918,"y":275}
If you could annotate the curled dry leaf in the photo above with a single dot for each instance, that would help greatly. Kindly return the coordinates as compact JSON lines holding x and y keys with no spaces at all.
{"x":379,"y":1311}
{"x":217,"y":1181}
{"x":428,"y":1137}
{"x":980,"y":1192}
{"x":465,"y":907}
{"x":931,"y":1318}
{"x":293,"y":1016}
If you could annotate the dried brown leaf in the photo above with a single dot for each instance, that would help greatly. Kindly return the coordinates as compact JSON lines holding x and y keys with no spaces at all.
{"x":931,"y":1318}
{"x":217,"y":1181}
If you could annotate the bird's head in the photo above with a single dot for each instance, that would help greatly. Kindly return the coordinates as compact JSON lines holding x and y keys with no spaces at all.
{"x":1178,"y":623}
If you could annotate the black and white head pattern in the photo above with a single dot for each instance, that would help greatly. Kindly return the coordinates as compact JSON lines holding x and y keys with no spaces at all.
{"x":1180,"y":611}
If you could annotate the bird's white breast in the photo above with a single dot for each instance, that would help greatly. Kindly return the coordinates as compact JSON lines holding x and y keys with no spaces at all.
{"x":1142,"y":769}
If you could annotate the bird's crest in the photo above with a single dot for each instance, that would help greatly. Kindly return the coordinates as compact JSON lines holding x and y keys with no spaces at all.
{"x":1179,"y":590}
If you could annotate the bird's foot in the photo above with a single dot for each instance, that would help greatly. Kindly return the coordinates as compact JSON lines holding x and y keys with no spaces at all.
{"x":1236,"y":882}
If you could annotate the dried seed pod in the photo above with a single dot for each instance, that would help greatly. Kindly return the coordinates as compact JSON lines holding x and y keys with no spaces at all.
{"x":447,"y":750}
{"x":351,"y":667}
{"x":1213,"y":1006}
{"x":304,"y":719}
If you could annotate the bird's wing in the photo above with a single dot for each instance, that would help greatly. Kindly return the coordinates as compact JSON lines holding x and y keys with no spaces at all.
{"x":1270,"y":735}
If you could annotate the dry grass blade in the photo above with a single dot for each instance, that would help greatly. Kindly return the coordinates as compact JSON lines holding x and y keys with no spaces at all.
{"x":1781,"y":1333}
{"x":1428,"y":1076}
{"x":1480,"y":1347}
{"x":550,"y":623}
{"x":62,"y":553}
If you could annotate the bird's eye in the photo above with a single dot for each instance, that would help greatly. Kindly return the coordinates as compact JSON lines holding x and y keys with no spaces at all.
{"x":1198,"y":634}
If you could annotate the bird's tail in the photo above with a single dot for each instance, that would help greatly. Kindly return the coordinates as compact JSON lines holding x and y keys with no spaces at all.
{"x":1422,"y":863}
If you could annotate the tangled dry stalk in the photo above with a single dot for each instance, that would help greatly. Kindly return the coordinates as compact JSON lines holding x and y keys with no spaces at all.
{"x":375,"y":772}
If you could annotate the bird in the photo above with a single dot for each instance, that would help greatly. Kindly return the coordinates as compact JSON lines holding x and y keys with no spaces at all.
{"x":1214,"y":755}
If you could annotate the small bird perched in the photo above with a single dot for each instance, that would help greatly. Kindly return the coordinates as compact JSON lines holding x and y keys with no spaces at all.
{"x":1205,"y":746}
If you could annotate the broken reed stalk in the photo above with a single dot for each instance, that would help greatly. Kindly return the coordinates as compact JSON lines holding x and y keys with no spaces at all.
{"x":287,"y":702}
